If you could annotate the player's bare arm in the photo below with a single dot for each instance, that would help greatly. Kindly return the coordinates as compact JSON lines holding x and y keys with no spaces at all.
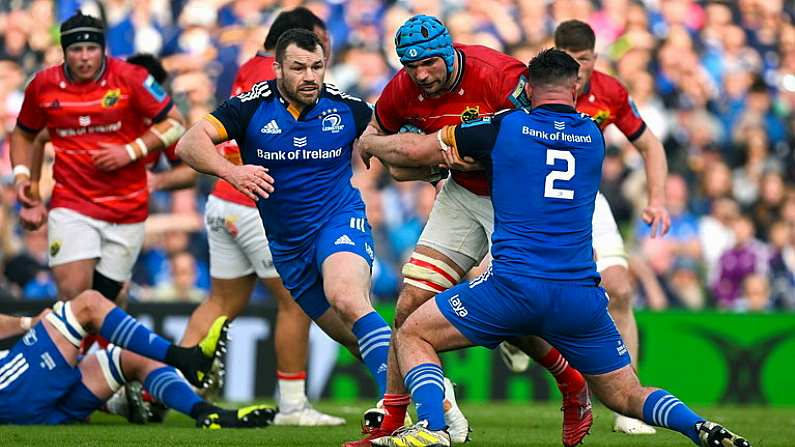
{"x":11,"y":326}
{"x":197,"y":149}
{"x":22,"y":161}
{"x":656,"y":166}
{"x":158,"y":137}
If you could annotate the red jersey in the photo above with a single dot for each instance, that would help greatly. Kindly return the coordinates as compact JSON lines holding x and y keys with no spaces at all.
{"x":84,"y":117}
{"x":488,"y":81}
{"x":258,"y":68}
{"x":607,"y":101}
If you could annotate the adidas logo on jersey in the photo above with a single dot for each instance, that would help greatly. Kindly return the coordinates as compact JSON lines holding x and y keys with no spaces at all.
{"x":344,"y":240}
{"x":271,"y":128}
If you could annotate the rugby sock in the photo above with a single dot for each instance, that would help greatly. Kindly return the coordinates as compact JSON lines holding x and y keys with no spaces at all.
{"x":374,"y":335}
{"x":169,"y":387}
{"x":426,"y":384}
{"x":126,"y":332}
{"x":395,"y":406}
{"x":663,"y":409}
{"x":568,"y":378}
{"x":292,"y":390}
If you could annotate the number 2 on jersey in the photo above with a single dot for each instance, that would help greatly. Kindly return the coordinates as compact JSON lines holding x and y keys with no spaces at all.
{"x":549,"y":184}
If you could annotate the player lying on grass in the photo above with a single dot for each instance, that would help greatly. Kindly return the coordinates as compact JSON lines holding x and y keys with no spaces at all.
{"x":544,"y":165}
{"x":43,"y":380}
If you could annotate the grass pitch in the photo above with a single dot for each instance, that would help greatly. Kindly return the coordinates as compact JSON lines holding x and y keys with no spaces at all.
{"x":494,"y":424}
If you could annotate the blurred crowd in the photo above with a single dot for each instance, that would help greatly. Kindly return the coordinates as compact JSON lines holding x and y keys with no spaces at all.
{"x":714,"y":80}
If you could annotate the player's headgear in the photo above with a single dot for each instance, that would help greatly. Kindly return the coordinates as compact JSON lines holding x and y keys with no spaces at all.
{"x":82,"y":28}
{"x":422,"y":37}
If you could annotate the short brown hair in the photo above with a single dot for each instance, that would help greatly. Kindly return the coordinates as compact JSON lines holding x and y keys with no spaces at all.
{"x":575,"y":35}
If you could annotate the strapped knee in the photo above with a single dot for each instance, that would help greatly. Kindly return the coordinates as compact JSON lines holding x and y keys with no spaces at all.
{"x":110,"y":364}
{"x":109,"y":288}
{"x":429,"y":274}
{"x":66,"y":323}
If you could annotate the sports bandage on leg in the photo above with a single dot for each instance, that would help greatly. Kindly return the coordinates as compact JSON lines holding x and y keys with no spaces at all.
{"x":110,"y":364}
{"x":168,"y":131}
{"x":429,"y":274}
{"x":66,"y":323}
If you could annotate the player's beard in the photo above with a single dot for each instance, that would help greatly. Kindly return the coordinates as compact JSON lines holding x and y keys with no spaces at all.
{"x":299,"y":96}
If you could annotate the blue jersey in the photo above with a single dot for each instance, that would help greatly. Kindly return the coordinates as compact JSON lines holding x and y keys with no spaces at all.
{"x":544,"y":167}
{"x":308,"y":154}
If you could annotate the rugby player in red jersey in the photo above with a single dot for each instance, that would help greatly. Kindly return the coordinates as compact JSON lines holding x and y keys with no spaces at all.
{"x":92,"y":106}
{"x":239,"y":252}
{"x":605,"y":99}
{"x":445,"y":84}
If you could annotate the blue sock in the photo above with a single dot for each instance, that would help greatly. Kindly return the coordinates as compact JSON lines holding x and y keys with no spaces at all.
{"x":663,"y":409}
{"x":374,"y":335}
{"x":126,"y":332}
{"x":425,"y":382}
{"x":171,"y":389}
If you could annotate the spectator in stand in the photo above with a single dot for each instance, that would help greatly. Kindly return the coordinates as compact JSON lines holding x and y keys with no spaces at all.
{"x":747,"y":257}
{"x":182,"y":286}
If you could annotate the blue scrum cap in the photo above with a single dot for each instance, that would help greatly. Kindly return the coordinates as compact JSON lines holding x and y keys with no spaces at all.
{"x":422,"y":37}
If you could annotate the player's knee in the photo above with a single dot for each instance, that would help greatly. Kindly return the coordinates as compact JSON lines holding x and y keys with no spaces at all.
{"x":409,"y":300}
{"x":109,"y":288}
{"x":90,"y":307}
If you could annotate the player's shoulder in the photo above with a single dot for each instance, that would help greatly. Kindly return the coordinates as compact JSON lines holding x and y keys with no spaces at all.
{"x":486,"y":57}
{"x":260,"y":92}
{"x":261,"y":65}
{"x":53,"y":75}
{"x":400,"y":84}
{"x":606,"y":83}
{"x":333,"y":93}
{"x":125,"y":70}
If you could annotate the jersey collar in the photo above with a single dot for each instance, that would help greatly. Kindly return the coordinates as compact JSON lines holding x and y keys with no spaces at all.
{"x":560,"y":108}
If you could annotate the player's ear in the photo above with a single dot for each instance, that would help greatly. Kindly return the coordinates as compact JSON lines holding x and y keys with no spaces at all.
{"x":528,"y":90}
{"x":277,"y":68}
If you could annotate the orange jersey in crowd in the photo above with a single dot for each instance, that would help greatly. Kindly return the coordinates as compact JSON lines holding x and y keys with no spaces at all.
{"x":82,"y":118}
{"x":489,"y":81}
{"x":258,"y":68}
{"x":607,"y":101}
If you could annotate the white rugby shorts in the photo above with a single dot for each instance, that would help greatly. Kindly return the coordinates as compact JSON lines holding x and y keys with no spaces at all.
{"x":238,"y":246}
{"x":73,"y":236}
{"x":608,"y":246}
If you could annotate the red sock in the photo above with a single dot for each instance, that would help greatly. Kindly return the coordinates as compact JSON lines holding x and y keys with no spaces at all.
{"x":568,"y":378}
{"x":102,"y":342}
{"x":395,"y":406}
{"x":85,"y":345}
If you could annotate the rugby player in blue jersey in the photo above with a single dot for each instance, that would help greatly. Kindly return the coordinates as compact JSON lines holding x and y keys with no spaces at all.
{"x":295,"y":136}
{"x":43,"y":379}
{"x":544,"y":165}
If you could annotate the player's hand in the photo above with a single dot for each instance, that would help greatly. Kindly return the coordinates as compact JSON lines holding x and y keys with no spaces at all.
{"x":24,"y":195}
{"x":251,"y":180}
{"x":32,"y":218}
{"x":451,"y":161}
{"x":111,"y":157}
{"x":658,"y":218}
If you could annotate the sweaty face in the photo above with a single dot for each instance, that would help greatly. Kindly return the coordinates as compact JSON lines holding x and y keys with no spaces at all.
{"x":84,"y":60}
{"x":430,"y":75}
{"x":300,"y":74}
{"x":587,"y":60}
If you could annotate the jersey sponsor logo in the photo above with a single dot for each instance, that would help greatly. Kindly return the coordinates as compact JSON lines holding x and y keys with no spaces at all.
{"x":271,"y":128}
{"x":332,"y":122}
{"x":369,"y":250}
{"x":556,"y":136}
{"x":299,"y":141}
{"x":84,"y":120}
{"x":559,"y":125}
{"x":344,"y":240}
{"x":299,"y":154}
{"x":105,"y":128}
{"x":111,"y":98}
{"x":621,"y":348}
{"x":476,"y":122}
{"x":154,"y":89}
{"x":458,"y":306}
{"x":470,"y":113}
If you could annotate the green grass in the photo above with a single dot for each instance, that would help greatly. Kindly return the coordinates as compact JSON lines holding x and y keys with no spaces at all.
{"x":494,"y":424}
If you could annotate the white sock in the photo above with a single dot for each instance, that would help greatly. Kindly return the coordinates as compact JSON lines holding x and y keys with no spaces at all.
{"x":292,"y":391}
